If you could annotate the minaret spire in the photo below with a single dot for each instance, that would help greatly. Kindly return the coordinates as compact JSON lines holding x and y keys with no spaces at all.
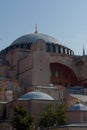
{"x":36,"y":30}
{"x":83,"y":51}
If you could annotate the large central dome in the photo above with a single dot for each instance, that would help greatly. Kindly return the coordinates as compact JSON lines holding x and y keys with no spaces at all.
{"x":32,"y":38}
{"x":26,"y":41}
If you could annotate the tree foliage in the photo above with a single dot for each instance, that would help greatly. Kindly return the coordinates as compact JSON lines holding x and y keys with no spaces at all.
{"x":22,"y":119}
{"x":53,"y":116}
{"x":47,"y":118}
{"x":60,"y":115}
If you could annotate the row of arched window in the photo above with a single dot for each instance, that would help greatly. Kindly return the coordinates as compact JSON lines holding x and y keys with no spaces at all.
{"x":49,"y":48}
{"x":18,"y":45}
{"x":58,"y":49}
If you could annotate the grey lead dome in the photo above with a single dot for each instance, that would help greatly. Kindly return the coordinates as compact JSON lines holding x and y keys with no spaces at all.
{"x":26,"y":41}
{"x":31,"y":38}
{"x":78,"y":107}
{"x":35,"y":95}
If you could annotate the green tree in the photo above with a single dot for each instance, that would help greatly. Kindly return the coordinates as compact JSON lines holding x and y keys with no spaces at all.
{"x":47,"y":118}
{"x":53,"y":116}
{"x":22,"y":119}
{"x":60,"y":115}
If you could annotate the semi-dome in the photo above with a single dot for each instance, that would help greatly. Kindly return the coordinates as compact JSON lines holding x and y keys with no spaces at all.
{"x":35,"y":95}
{"x":32,"y":38}
{"x":78,"y":107}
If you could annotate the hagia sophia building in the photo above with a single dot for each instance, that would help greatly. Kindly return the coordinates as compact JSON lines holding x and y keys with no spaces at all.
{"x":36,"y":68}
{"x":39,"y":59}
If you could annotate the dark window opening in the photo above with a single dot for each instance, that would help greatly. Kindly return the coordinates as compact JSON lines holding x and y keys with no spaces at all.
{"x":59,"y":49}
{"x":53,"y":72}
{"x":65,"y":84}
{"x":54,"y":49}
{"x":48,"y":48}
{"x":59,"y":74}
{"x":60,"y":83}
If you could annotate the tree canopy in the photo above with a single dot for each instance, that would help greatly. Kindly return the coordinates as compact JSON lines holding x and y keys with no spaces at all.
{"x":53,"y":116}
{"x":22,"y":119}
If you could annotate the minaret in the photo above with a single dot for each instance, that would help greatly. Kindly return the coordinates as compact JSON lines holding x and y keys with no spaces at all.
{"x":83,"y":51}
{"x":36,"y":31}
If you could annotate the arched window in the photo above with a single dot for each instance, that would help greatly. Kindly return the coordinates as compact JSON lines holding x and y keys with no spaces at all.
{"x":53,"y":72}
{"x":48,"y":48}
{"x":61,"y":49}
{"x":65,"y":50}
{"x":59,"y":73}
{"x":51,"y":48}
{"x":56,"y":48}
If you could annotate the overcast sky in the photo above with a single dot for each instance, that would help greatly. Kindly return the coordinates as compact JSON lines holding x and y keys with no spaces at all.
{"x":66,"y":20}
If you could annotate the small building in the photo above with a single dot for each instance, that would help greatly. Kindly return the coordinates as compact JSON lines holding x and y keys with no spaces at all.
{"x":77,"y":114}
{"x":34,"y":102}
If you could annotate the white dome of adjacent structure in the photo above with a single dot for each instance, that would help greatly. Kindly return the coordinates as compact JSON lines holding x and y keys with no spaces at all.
{"x":36,"y":95}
